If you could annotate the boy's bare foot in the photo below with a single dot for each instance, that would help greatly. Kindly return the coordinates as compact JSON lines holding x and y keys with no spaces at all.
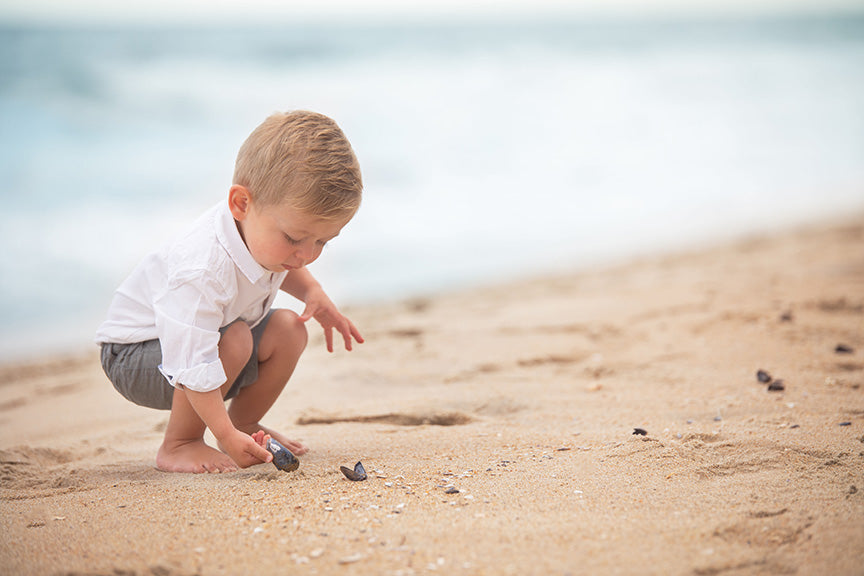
{"x":295,"y":447}
{"x":195,"y":457}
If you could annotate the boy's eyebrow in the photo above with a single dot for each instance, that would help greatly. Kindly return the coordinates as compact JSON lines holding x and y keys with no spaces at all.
{"x":305,"y":234}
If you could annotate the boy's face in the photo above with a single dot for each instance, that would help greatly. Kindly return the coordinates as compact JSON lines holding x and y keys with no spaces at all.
{"x":279,"y":237}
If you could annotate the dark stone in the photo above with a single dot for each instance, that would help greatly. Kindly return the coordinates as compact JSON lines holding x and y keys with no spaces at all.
{"x":640,"y":432}
{"x":776,"y":386}
{"x":283,"y":459}
{"x":763,"y":376}
{"x":843,"y":349}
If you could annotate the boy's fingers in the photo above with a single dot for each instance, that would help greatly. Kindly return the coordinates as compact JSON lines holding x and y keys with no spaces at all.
{"x":328,"y":335}
{"x":348,"y":335}
{"x":356,"y":333}
{"x":262,"y":454}
{"x":257,"y":450}
{"x":307,"y":314}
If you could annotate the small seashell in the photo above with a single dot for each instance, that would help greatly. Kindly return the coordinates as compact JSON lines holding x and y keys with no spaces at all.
{"x":451,"y":490}
{"x":843,"y":349}
{"x":356,"y":475}
{"x":283,"y":459}
{"x":640,"y":432}
{"x":763,"y":376}
{"x":776,"y":386}
{"x":351,"y":559}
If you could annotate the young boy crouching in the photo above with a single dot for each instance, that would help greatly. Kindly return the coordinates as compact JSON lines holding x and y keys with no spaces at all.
{"x":192,"y":326}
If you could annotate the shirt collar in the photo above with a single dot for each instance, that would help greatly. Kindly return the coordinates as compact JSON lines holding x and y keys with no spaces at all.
{"x":229,"y":236}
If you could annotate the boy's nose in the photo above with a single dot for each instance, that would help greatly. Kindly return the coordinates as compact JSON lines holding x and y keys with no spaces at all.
{"x":305,"y":253}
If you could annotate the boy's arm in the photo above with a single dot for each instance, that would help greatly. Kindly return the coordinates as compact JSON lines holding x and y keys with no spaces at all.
{"x":298,"y":283}
{"x":303,"y":286}
{"x":241,"y":447}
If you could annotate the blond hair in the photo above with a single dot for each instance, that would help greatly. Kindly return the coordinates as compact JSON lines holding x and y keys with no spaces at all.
{"x":302,"y":158}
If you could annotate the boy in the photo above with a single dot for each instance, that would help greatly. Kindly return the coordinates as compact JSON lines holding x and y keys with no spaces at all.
{"x":192,"y":327}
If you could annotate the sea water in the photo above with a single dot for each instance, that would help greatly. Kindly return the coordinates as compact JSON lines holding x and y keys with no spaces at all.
{"x":491,"y":149}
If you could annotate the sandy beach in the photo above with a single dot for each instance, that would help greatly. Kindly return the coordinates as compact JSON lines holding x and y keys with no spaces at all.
{"x":497,"y":429}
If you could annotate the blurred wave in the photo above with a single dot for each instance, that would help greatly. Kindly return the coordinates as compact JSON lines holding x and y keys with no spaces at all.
{"x":490,"y":149}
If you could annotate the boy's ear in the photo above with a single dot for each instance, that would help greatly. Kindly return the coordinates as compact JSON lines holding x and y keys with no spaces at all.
{"x":239,"y":201}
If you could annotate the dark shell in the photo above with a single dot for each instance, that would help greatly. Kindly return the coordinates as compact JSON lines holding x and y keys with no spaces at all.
{"x":640,"y":432}
{"x":763,"y":376}
{"x":776,"y":386}
{"x":451,"y":490}
{"x":356,"y":475}
{"x":843,"y":349}
{"x":283,"y":459}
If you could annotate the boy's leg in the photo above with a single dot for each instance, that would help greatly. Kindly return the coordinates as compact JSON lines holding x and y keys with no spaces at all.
{"x":183,"y":449}
{"x":282,"y":343}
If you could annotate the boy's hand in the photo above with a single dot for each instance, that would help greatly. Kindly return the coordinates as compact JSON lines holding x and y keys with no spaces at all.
{"x":246,"y":450}
{"x":320,"y":307}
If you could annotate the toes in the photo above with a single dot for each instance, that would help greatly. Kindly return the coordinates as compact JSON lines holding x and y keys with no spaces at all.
{"x":297,"y":448}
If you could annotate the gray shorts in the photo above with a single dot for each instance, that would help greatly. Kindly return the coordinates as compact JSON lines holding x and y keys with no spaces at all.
{"x":133,"y":369}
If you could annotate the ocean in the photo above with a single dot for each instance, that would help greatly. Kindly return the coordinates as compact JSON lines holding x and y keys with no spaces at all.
{"x":492,"y":149}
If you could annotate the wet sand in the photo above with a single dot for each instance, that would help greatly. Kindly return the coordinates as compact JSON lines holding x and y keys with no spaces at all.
{"x":496,"y":426}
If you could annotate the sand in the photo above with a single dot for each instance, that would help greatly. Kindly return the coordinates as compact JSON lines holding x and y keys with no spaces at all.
{"x":496,"y":426}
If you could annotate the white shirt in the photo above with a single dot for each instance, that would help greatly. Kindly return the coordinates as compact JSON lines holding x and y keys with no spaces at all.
{"x":185,"y":292}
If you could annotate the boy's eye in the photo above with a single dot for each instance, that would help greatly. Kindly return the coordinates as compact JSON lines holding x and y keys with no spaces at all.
{"x":291,"y":240}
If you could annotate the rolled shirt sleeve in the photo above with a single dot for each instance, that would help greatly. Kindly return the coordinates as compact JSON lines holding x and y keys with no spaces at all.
{"x":185,"y":292}
{"x":188,"y":316}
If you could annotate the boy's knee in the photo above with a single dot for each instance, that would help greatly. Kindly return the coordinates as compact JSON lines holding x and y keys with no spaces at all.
{"x":236,"y":344}
{"x":288,"y":327}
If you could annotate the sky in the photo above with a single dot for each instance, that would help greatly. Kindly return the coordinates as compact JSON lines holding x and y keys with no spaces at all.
{"x":221,"y":11}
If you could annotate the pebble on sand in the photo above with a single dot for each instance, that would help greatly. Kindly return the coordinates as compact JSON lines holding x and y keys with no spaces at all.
{"x":283,"y":459}
{"x":843,"y":349}
{"x":776,"y":386}
{"x":640,"y":432}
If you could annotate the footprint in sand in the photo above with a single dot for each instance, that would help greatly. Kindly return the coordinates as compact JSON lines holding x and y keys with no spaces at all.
{"x":37,"y":472}
{"x":395,"y":418}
